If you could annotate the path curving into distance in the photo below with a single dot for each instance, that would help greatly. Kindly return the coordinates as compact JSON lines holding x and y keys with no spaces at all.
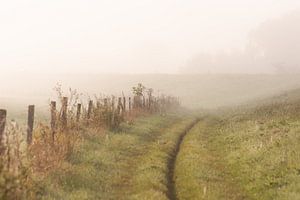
{"x":172,"y":161}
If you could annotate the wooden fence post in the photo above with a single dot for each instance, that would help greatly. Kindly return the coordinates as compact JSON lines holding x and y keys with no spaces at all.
{"x":30,"y":122}
{"x":124,"y":104}
{"x":53,"y":118}
{"x":129,"y":104}
{"x":112,"y":123}
{"x":147,"y":104}
{"x":78,"y":113}
{"x":150,"y":101}
{"x":3,"y":114}
{"x":106,"y":118}
{"x":64,"y":114}
{"x":119,"y":107}
{"x":90,"y":106}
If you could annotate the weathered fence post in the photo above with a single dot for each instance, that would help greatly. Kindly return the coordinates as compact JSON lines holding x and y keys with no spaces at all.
{"x":129,"y":104}
{"x":30,"y":122}
{"x":78,"y":113}
{"x":64,"y":114}
{"x":3,"y":114}
{"x":90,"y":106}
{"x":112,"y":123}
{"x":119,"y":107}
{"x":124,"y":104}
{"x":150,"y":102}
{"x":53,"y":118}
{"x":147,"y":104}
{"x":105,"y":113}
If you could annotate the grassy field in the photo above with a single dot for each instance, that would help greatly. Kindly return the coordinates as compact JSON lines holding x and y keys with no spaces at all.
{"x":250,"y":151}
{"x":128,"y":164}
{"x":201,"y":172}
{"x":247,"y":153}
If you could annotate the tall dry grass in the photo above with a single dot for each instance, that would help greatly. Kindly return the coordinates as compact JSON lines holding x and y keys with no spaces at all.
{"x":14,"y":170}
{"x":21,"y":164}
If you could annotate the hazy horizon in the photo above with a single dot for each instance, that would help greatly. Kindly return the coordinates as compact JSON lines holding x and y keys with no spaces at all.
{"x":138,"y":36}
{"x":176,"y":47}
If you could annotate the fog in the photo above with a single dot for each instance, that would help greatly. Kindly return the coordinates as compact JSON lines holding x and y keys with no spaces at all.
{"x":108,"y":46}
{"x":272,"y":48}
{"x":134,"y":36}
{"x":149,"y":99}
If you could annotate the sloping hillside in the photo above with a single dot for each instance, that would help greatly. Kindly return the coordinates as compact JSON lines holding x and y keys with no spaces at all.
{"x":251,"y":152}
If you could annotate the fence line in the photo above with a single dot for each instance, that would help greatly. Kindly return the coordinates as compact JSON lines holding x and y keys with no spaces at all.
{"x":106,"y":112}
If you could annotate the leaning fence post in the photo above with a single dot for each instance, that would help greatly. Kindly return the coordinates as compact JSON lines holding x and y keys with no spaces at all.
{"x":3,"y":114}
{"x":64,"y":117}
{"x":78,"y":112}
{"x":53,"y":118}
{"x":30,"y":122}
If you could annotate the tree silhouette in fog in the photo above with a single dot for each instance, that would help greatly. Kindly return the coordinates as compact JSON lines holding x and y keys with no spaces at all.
{"x":273,"y":47}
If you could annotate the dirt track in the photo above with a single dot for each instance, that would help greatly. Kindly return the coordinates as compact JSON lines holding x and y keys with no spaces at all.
{"x":172,"y":162}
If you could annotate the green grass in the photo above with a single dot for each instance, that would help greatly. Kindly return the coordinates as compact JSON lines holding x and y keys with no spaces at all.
{"x":128,"y":164}
{"x":264,"y":156}
{"x":245,"y":154}
{"x":151,"y":177}
{"x":251,"y":152}
{"x":200,"y":171}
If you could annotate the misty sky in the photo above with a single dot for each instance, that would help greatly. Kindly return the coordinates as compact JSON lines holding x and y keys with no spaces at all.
{"x":132,"y":36}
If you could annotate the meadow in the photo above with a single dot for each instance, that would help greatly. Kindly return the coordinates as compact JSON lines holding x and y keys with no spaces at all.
{"x":218,"y":151}
{"x":251,"y":152}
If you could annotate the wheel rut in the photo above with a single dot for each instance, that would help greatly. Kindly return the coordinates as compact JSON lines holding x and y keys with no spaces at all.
{"x":172,"y":162}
